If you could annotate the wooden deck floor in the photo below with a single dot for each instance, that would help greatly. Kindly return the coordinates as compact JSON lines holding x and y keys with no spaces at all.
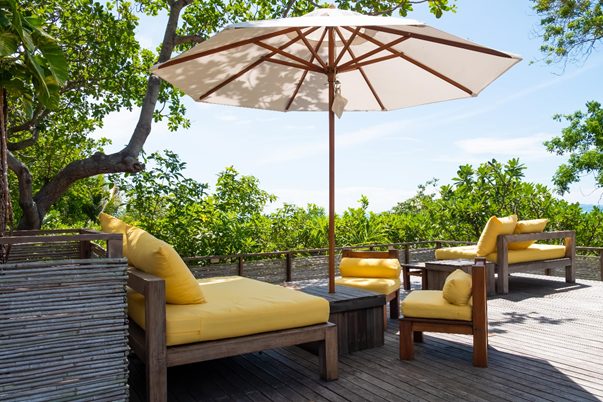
{"x":546,"y":343}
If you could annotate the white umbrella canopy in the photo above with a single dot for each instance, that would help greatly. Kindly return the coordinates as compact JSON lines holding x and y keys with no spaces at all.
{"x":303,"y":63}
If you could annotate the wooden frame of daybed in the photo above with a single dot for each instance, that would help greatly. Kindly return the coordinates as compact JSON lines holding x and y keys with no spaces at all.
{"x":503,"y":268}
{"x":150,"y":345}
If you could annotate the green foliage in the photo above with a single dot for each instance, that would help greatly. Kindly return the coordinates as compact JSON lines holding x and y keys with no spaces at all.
{"x":582,"y":140}
{"x":162,"y":200}
{"x":570,"y":28}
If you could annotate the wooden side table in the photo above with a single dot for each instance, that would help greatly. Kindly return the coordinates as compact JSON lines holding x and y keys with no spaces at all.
{"x":437,"y":271}
{"x":358,"y":315}
{"x":414,"y":269}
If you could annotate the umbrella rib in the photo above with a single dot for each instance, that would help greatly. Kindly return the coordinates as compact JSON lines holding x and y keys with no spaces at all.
{"x":413,"y":61}
{"x":308,"y":65}
{"x":303,"y":77}
{"x":251,"y":66}
{"x":303,"y":67}
{"x":225,"y":47}
{"x":368,"y":82}
{"x":467,"y":46}
{"x":312,"y":50}
{"x":372,"y":52}
{"x":347,"y":44}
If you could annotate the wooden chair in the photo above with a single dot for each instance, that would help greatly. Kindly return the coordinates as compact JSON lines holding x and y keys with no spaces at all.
{"x":392,"y":298}
{"x":412,"y":328}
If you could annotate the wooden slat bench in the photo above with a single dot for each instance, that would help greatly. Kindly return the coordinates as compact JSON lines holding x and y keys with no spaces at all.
{"x":150,"y":345}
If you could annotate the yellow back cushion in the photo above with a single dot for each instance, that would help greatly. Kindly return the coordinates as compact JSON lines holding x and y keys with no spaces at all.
{"x":527,"y":226}
{"x":110,"y":224}
{"x":457,"y":288}
{"x":495,"y":227}
{"x":370,"y":267}
{"x":156,"y":257}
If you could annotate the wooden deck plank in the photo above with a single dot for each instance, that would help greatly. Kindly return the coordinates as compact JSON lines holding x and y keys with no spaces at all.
{"x":545,"y":344}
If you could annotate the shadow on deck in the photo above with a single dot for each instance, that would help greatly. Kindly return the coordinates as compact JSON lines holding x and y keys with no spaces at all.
{"x":545,"y":344}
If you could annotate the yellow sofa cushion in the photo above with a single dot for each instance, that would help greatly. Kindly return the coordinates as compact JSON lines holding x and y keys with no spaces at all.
{"x":379,"y":285}
{"x":235,"y":306}
{"x":431,"y":304}
{"x":111,"y":224}
{"x":527,"y":226}
{"x":456,"y":253}
{"x":457,"y":288}
{"x":495,"y":227}
{"x":370,"y":267}
{"x":156,"y":257}
{"x":535,"y":252}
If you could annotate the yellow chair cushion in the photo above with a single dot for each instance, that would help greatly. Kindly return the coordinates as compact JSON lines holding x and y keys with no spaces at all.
{"x":370,"y":267}
{"x":495,"y":227}
{"x":235,"y":306}
{"x":111,"y":224}
{"x":456,"y":253}
{"x":457,"y":288}
{"x":527,"y":226}
{"x":156,"y":257}
{"x":535,"y":252}
{"x":379,"y":285}
{"x":431,"y":304}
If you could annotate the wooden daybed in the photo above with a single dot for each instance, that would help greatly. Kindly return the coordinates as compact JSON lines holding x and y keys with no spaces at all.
{"x":509,"y":261}
{"x":150,"y":344}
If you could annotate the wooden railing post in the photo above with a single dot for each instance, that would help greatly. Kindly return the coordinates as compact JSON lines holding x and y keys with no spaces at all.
{"x":406,"y":254}
{"x":240,"y":267}
{"x":288,"y":266}
{"x":438,"y":244}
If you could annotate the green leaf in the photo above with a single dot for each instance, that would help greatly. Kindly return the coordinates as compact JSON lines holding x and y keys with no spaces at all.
{"x":54,"y":58}
{"x":8,"y":44}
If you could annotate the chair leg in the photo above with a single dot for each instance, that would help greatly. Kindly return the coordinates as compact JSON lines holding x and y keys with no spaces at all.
{"x":406,"y":278}
{"x":394,"y":306}
{"x":407,"y":351}
{"x":328,"y":355}
{"x":570,"y":273}
{"x":480,"y":348}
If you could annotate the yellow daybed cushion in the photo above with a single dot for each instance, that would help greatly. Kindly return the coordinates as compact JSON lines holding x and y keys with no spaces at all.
{"x":111,"y":224}
{"x":370,"y":267}
{"x":235,"y":306}
{"x":156,"y":257}
{"x":431,"y":304}
{"x":535,"y":252}
{"x":457,"y":288}
{"x":495,"y":227}
{"x":527,"y":226}
{"x":379,"y":285}
{"x":456,"y":253}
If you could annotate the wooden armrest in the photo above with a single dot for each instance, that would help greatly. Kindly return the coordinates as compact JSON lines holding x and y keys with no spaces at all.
{"x":143,"y":282}
{"x":560,"y":234}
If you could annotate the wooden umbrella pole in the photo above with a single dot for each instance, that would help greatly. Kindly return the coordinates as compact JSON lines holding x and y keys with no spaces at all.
{"x":331,"y":78}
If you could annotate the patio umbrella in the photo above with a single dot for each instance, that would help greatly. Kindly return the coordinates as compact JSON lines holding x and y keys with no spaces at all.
{"x":333,"y":60}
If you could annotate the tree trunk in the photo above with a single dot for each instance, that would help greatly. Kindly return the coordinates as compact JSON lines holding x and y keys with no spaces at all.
{"x":6,"y":211}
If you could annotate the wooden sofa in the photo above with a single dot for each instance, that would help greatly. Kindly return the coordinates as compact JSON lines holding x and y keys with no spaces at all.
{"x":504,"y":266}
{"x":150,"y":344}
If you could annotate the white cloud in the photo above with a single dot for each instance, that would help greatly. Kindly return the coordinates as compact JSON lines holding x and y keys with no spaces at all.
{"x":529,"y":147}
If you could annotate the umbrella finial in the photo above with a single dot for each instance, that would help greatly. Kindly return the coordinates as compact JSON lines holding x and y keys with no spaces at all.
{"x":332,"y":5}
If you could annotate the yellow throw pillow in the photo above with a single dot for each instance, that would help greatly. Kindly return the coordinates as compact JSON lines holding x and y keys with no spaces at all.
{"x":156,"y":257}
{"x":495,"y":227}
{"x":527,"y":226}
{"x":370,"y":267}
{"x":110,"y":224}
{"x":457,"y":288}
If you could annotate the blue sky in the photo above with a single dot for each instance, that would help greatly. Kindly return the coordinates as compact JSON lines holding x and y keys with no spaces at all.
{"x":386,"y":155}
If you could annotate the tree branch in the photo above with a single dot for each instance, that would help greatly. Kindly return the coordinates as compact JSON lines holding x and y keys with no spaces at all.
{"x":287,"y":9}
{"x":39,"y":114}
{"x":127,"y":159}
{"x":31,"y":216}
{"x":17,"y":146}
{"x":181,"y":39}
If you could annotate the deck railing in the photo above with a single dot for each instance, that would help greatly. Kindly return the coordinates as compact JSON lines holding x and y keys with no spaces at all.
{"x":405,"y":256}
